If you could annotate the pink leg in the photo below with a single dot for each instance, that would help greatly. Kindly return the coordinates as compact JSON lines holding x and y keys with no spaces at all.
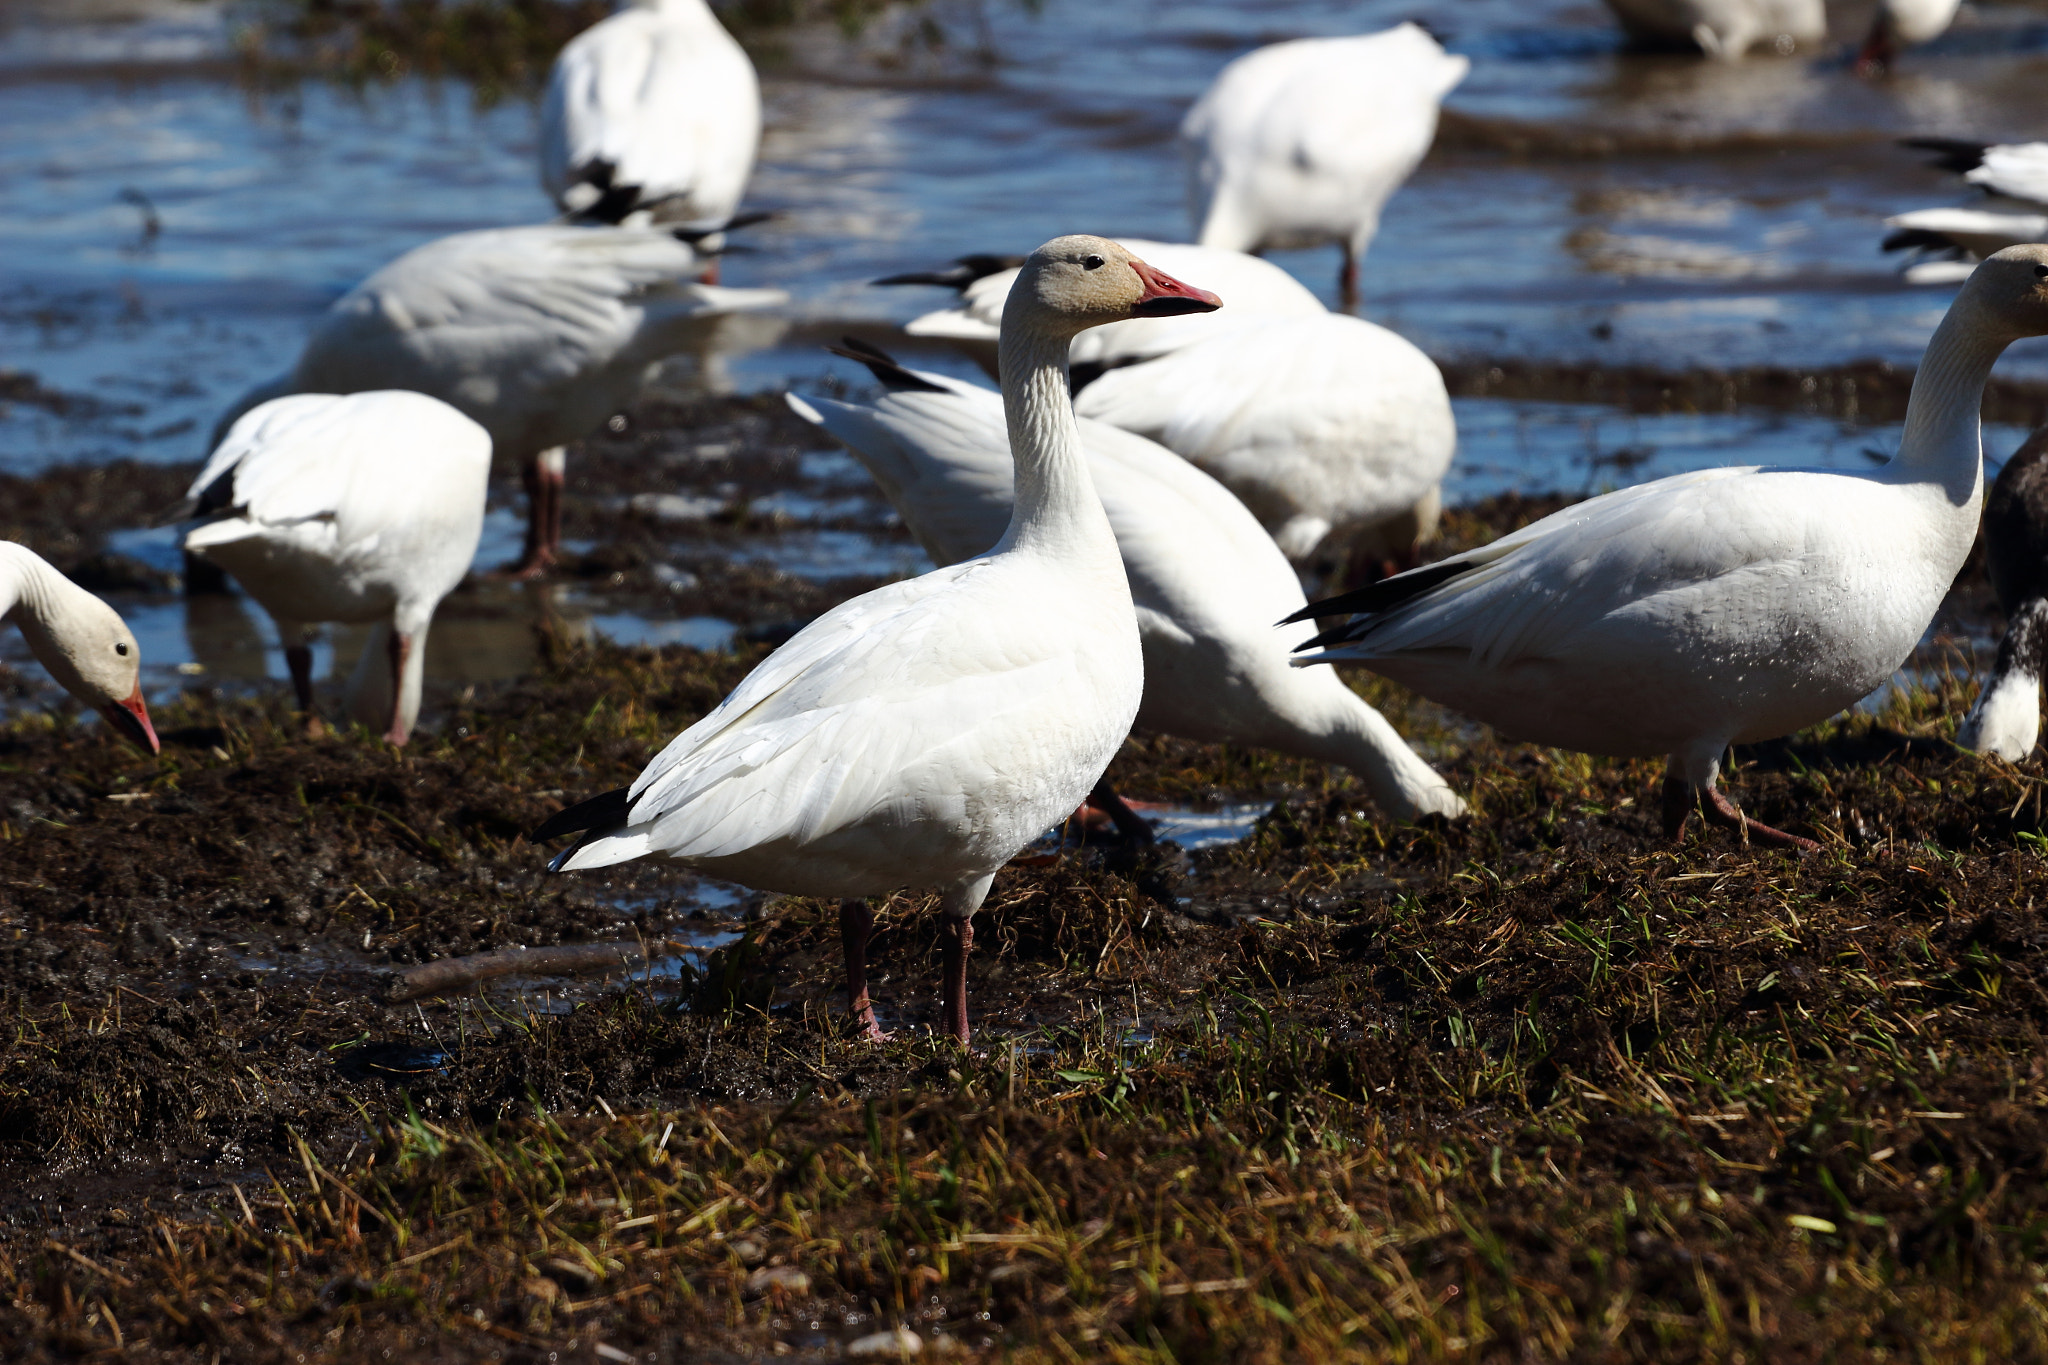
{"x":710,"y":275}
{"x":1717,"y":809}
{"x":957,"y":934}
{"x":856,"y":922}
{"x":299,"y":659}
{"x":400,"y":651}
{"x":1129,"y":823}
{"x":543,"y":478}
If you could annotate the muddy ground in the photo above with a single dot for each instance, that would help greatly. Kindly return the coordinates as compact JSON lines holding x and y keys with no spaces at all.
{"x":1531,"y":1085}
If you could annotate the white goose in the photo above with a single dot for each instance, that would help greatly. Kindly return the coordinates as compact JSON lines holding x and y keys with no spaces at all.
{"x":1254,"y":287}
{"x":1901,"y":24}
{"x":1718,"y":607}
{"x":81,"y":640}
{"x":1302,"y":143}
{"x":1724,"y":28}
{"x":538,"y":333}
{"x":924,"y":733}
{"x":2007,"y":717}
{"x":1334,"y":431}
{"x":359,"y":508}
{"x":1207,"y":580}
{"x":651,"y":115}
{"x":1948,"y":242}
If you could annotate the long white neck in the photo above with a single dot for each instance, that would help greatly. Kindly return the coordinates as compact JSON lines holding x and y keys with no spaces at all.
{"x":1345,"y":730}
{"x":29,"y":587}
{"x":1057,"y":510}
{"x":1943,"y":441}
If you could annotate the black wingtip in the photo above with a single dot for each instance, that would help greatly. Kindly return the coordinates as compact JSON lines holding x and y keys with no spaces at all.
{"x":883,"y":366}
{"x":1903,"y":239}
{"x":604,"y":812}
{"x":1381,"y":596}
{"x":964,"y":271}
{"x":1951,"y":153}
{"x":694,"y":236}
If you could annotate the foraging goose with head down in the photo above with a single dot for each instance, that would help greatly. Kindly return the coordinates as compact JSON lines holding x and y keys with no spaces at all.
{"x":924,"y":733}
{"x":1723,"y":28}
{"x":82,"y":641}
{"x":1717,"y":607}
{"x":538,"y":333}
{"x":364,"y":507}
{"x":1204,"y":575}
{"x":1302,"y":143}
{"x":2006,"y":719}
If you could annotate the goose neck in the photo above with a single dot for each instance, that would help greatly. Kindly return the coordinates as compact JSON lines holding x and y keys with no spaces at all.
{"x":1943,"y":440}
{"x":1056,"y":506}
{"x":26,"y":593}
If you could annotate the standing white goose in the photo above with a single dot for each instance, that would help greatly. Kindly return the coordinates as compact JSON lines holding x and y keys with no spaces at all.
{"x":1334,"y":431}
{"x":924,"y":733}
{"x":538,"y":333}
{"x":1901,"y":24}
{"x":651,"y":115}
{"x":82,"y":641}
{"x":359,"y":508}
{"x":2007,"y":717}
{"x":1724,"y":28}
{"x":1718,"y":607}
{"x":1254,"y":287}
{"x":1304,"y":142}
{"x":1207,"y":580}
{"x":1948,"y":242}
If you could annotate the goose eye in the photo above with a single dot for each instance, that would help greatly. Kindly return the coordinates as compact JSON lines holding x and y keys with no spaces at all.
{"x":122,"y":650}
{"x":1096,"y":263}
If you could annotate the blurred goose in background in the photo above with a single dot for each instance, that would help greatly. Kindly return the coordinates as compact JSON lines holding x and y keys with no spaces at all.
{"x":1901,"y":24}
{"x":1334,"y":431}
{"x":653,"y":115}
{"x":1302,"y":143}
{"x":1254,"y":287}
{"x":1206,"y":578}
{"x":366,"y":507}
{"x":538,"y":333}
{"x":2007,"y":717}
{"x":1717,"y":607}
{"x":924,"y":733}
{"x":1948,"y":242}
{"x":1724,"y":28}
{"x":80,"y":640}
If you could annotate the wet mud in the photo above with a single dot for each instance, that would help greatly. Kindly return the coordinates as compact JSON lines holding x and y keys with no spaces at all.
{"x":1533,"y":1084}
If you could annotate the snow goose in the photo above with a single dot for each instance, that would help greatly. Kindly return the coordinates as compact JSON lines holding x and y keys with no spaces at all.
{"x":1254,"y":287}
{"x":81,"y":640}
{"x":1303,"y":142}
{"x":1901,"y":24}
{"x":1205,"y":576}
{"x":924,"y":733}
{"x":2007,"y":717}
{"x":652,"y":115}
{"x":366,"y":507}
{"x":1948,"y":242}
{"x":1335,"y":432}
{"x":538,"y":333}
{"x":1724,"y":28}
{"x":1717,"y":607}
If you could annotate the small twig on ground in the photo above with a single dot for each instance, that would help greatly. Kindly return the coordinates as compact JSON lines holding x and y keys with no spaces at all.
{"x":450,"y":973}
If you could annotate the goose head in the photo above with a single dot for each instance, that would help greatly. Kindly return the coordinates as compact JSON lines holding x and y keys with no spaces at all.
{"x":2010,"y":291}
{"x":1074,"y":283}
{"x":88,"y":648}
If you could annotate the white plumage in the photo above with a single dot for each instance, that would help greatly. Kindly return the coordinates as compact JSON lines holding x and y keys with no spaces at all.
{"x":1207,"y":581}
{"x":1255,"y":288}
{"x":1303,"y":142}
{"x":1335,"y":432}
{"x":1715,"y":607}
{"x":82,"y":641}
{"x":1724,"y":28}
{"x":359,"y":508}
{"x":651,"y":115}
{"x":922,"y":734}
{"x":538,"y":333}
{"x":1900,"y":24}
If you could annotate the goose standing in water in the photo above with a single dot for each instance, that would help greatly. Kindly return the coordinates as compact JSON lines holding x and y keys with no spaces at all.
{"x":1254,"y":287}
{"x":1303,"y":142}
{"x":924,"y":733}
{"x":1948,"y":242}
{"x":653,"y":115}
{"x":359,"y":508}
{"x":1206,"y":578}
{"x":82,"y":641}
{"x":1902,"y":24}
{"x":538,"y":333}
{"x":1718,"y":607}
{"x":1724,"y":28}
{"x":2007,"y":717}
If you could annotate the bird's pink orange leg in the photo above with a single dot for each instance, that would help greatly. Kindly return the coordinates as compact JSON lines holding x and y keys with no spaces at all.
{"x":856,"y":923}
